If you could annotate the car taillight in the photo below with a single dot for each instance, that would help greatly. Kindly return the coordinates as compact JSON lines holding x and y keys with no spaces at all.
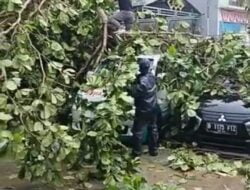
{"x":247,"y":124}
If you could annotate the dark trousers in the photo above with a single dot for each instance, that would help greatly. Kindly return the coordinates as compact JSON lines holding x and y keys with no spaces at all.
{"x":142,"y":121}
{"x":125,"y":17}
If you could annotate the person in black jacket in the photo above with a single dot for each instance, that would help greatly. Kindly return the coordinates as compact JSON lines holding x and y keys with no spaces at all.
{"x":124,"y":16}
{"x":144,"y":93}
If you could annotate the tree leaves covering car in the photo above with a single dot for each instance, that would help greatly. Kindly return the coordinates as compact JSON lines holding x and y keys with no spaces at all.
{"x":42,"y":46}
{"x":39,"y":57}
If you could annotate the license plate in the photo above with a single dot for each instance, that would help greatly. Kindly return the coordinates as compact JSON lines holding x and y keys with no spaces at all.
{"x":218,"y":128}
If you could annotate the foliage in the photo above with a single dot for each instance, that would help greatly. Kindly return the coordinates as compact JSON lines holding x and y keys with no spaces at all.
{"x":102,"y":120}
{"x":184,"y":159}
{"x":43,"y":44}
{"x":139,"y":183}
{"x":195,"y":68}
{"x":40,"y":53}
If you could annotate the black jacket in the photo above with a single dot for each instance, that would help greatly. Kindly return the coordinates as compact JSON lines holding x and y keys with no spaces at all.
{"x":144,"y":93}
{"x":125,"y":5}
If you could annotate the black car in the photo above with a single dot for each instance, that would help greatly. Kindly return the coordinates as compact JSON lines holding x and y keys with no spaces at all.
{"x":224,"y":124}
{"x":221,"y":122}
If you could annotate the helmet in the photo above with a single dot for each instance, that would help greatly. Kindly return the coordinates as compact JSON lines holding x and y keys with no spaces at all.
{"x":144,"y":65}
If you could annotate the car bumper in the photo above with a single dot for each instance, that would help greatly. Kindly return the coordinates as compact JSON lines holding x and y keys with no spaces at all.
{"x":233,"y":144}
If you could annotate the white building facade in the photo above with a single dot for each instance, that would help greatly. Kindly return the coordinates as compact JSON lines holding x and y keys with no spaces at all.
{"x":222,"y":16}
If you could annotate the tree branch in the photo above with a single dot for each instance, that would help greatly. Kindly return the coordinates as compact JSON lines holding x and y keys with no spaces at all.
{"x":18,"y":19}
{"x":40,"y":58}
{"x":102,"y":46}
{"x":105,"y":34}
{"x":3,"y":75}
{"x":89,"y":61}
{"x":39,"y":8}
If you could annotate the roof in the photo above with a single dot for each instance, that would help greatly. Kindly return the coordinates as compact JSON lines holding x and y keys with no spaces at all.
{"x":163,"y":4}
{"x":142,"y":2}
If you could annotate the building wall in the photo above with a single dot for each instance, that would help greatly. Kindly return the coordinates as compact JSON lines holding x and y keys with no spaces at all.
{"x":210,"y":12}
{"x":223,"y":3}
{"x":232,"y":19}
{"x":220,"y":17}
{"x":226,"y":4}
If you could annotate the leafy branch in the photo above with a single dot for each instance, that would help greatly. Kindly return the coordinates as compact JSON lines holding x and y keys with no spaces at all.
{"x":19,"y":19}
{"x":104,"y":18}
{"x":38,"y":8}
{"x":102,"y":45}
{"x":39,"y":56}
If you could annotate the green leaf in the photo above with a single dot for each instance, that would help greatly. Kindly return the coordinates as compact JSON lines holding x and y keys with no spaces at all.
{"x":56,"y":46}
{"x":89,"y":114}
{"x":5,"y":117}
{"x":53,"y":99}
{"x":185,"y":25}
{"x":64,"y":18}
{"x":47,"y":141}
{"x":126,"y":98}
{"x":6,"y":134}
{"x":139,"y":41}
{"x":3,"y":100}
{"x":193,"y":41}
{"x":183,"y":74}
{"x":105,"y":161}
{"x":83,"y":3}
{"x":63,"y":127}
{"x":171,"y":158}
{"x":92,"y":134}
{"x":154,"y":42}
{"x":213,"y":92}
{"x":191,"y":113}
{"x":172,"y":51}
{"x":56,"y":29}
{"x":18,"y":2}
{"x":49,"y":110}
{"x":5,"y":63}
{"x":38,"y":126}
{"x":40,"y":158}
{"x":43,"y":22}
{"x":185,"y":168}
{"x":11,"y":85}
{"x":24,"y":57}
{"x":238,"y":164}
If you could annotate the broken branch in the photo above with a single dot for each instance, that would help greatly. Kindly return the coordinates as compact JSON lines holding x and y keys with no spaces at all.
{"x":105,"y":34}
{"x":39,"y":8}
{"x":18,"y":19}
{"x":40,"y":58}
{"x":102,"y":46}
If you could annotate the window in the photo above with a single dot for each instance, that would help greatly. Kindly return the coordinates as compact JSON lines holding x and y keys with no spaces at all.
{"x":238,"y":3}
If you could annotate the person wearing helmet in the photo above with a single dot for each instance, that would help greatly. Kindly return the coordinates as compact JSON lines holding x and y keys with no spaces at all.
{"x":144,"y":93}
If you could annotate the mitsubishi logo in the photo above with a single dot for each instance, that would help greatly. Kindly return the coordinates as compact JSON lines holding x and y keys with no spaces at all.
{"x":222,"y":118}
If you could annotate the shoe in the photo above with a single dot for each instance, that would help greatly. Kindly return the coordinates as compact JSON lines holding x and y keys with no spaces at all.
{"x":155,"y":153}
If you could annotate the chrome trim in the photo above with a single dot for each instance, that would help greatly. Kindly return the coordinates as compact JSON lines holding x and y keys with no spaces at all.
{"x":197,"y":126}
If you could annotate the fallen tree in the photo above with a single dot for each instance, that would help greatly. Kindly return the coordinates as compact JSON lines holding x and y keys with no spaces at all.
{"x":46,"y":50}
